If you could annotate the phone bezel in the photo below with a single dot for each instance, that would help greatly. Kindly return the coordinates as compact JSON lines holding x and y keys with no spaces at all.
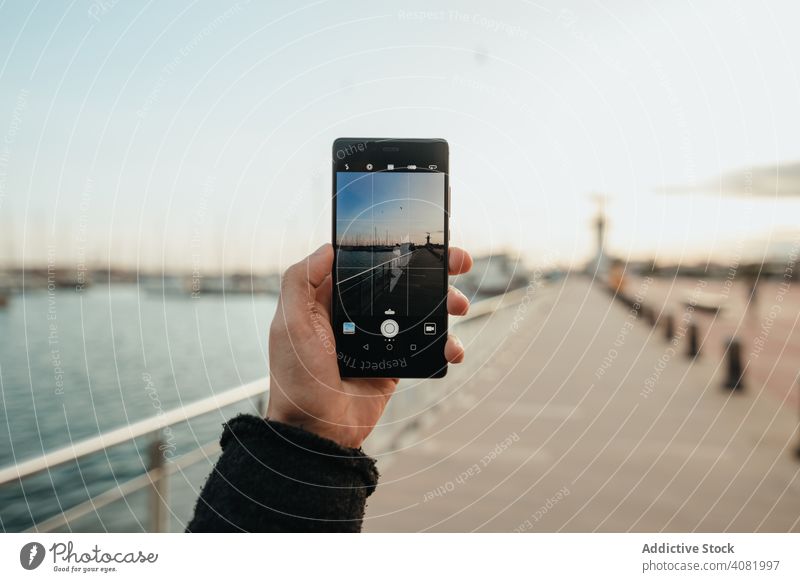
{"x":352,"y":154}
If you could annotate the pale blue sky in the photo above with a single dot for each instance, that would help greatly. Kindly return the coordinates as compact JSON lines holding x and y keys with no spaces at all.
{"x":202,"y":131}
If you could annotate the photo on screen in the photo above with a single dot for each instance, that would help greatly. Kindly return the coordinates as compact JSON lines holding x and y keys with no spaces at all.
{"x":390,"y":243}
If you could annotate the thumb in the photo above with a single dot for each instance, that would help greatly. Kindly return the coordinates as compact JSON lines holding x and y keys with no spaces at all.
{"x":301,"y":279}
{"x":319,"y":264}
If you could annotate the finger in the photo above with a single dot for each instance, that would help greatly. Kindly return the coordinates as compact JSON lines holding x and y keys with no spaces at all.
{"x":457,"y":302}
{"x":300,"y":281}
{"x":460,"y":261}
{"x":454,"y":350}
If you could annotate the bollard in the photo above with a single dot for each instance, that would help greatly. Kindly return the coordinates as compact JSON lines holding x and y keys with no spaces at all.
{"x":694,"y":346}
{"x":669,"y":327}
{"x":797,"y":452}
{"x":735,"y":379}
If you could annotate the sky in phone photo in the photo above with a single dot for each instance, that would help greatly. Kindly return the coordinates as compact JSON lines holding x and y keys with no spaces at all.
{"x":390,"y":206}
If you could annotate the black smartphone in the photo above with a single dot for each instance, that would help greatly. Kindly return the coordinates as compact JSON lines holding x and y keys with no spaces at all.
{"x":391,"y":209}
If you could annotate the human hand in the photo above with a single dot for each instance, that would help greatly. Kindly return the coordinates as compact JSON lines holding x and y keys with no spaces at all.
{"x":306,"y":389}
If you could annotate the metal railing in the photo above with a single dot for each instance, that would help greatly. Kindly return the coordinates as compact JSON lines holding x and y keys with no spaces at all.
{"x":158,"y":472}
{"x":157,"y":475}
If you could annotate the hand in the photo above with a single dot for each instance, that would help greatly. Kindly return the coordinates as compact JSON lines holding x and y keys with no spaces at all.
{"x":306,"y":389}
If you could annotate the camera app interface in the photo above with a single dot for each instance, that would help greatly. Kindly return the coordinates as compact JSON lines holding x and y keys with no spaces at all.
{"x":390,"y":261}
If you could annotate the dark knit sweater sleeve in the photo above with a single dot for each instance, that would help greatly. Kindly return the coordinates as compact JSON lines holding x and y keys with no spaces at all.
{"x":272,"y":477}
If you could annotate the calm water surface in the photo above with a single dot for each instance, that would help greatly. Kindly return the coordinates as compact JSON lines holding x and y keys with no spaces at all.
{"x":75,"y":364}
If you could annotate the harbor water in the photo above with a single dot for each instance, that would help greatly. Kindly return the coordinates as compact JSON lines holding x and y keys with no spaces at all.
{"x":75,"y":364}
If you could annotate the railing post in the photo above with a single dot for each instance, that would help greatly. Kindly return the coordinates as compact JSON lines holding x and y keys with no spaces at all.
{"x":261,"y":404}
{"x":159,"y":515}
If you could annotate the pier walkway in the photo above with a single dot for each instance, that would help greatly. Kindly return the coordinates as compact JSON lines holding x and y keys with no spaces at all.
{"x":574,"y":415}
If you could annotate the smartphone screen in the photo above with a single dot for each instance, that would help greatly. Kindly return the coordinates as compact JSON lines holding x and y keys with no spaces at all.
{"x":390,"y":237}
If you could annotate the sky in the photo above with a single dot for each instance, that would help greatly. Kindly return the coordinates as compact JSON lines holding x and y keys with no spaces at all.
{"x":180,"y":133}
{"x":397,"y":206}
